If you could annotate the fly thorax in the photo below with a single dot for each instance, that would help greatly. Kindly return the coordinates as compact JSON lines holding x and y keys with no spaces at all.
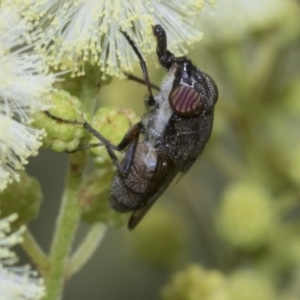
{"x":164,"y":110}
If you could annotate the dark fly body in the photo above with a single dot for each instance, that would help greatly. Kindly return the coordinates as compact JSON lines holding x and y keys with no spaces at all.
{"x":175,"y":128}
{"x":169,"y":137}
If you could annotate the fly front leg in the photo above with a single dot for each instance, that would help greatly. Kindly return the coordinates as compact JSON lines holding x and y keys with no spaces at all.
{"x":140,"y":80}
{"x":75,"y":122}
{"x":130,"y":140}
{"x":142,"y":64}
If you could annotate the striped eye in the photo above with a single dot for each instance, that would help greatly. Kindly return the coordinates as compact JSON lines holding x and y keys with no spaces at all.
{"x":186,"y":101}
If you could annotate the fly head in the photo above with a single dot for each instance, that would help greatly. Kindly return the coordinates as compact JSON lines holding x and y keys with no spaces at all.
{"x":193,"y":92}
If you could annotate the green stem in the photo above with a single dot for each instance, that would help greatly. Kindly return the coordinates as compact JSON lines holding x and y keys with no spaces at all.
{"x":35,"y":252}
{"x":86,"y":249}
{"x":90,"y":89}
{"x":66,"y":227}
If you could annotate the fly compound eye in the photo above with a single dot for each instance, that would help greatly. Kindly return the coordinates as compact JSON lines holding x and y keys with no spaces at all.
{"x":186,"y":101}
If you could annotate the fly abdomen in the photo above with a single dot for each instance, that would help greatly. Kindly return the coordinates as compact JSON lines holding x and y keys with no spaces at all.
{"x":123,"y":198}
{"x":128,"y":190}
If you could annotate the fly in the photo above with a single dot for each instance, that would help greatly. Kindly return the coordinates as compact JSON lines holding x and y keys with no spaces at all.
{"x":170,"y":136}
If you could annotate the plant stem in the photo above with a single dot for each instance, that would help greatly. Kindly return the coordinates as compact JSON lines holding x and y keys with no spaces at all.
{"x":86,"y":249}
{"x":66,"y":227}
{"x":90,"y":89}
{"x":35,"y":252}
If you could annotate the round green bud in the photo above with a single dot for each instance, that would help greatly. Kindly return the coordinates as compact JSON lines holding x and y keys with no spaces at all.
{"x":61,"y":136}
{"x":112,"y":123}
{"x":195,"y":283}
{"x":23,"y":197}
{"x":160,"y":238}
{"x":246,"y":218}
{"x":249,"y":285}
{"x":84,"y":86}
{"x":94,"y":200}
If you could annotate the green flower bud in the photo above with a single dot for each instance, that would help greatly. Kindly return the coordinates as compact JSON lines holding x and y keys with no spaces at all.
{"x":94,"y":199}
{"x":112,"y":123}
{"x":249,"y":285}
{"x":160,"y":237}
{"x":90,"y":83}
{"x":246,"y":216}
{"x":61,"y":136}
{"x":23,"y":197}
{"x":195,"y":283}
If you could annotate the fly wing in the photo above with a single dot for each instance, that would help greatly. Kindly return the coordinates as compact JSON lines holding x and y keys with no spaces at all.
{"x":163,"y":176}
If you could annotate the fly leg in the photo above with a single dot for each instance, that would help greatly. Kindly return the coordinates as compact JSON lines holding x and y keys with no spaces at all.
{"x":143,"y":66}
{"x":130,"y":139}
{"x":140,"y":80}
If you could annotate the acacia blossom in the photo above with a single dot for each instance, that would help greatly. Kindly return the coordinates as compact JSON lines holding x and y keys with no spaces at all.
{"x":25,"y":85}
{"x":73,"y":32}
{"x":16,"y":283}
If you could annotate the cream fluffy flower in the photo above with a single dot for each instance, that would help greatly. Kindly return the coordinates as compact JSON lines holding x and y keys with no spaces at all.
{"x":16,"y":283}
{"x":73,"y":32}
{"x":24,"y":89}
{"x":17,"y":142}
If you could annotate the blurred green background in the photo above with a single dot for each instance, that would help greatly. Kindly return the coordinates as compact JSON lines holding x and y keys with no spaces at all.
{"x":237,"y":210}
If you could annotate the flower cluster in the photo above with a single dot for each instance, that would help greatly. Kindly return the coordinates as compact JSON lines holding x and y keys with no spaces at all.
{"x":74,"y":32}
{"x":246,"y":217}
{"x":24,"y":87}
{"x":195,"y":283}
{"x":16,"y":282}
